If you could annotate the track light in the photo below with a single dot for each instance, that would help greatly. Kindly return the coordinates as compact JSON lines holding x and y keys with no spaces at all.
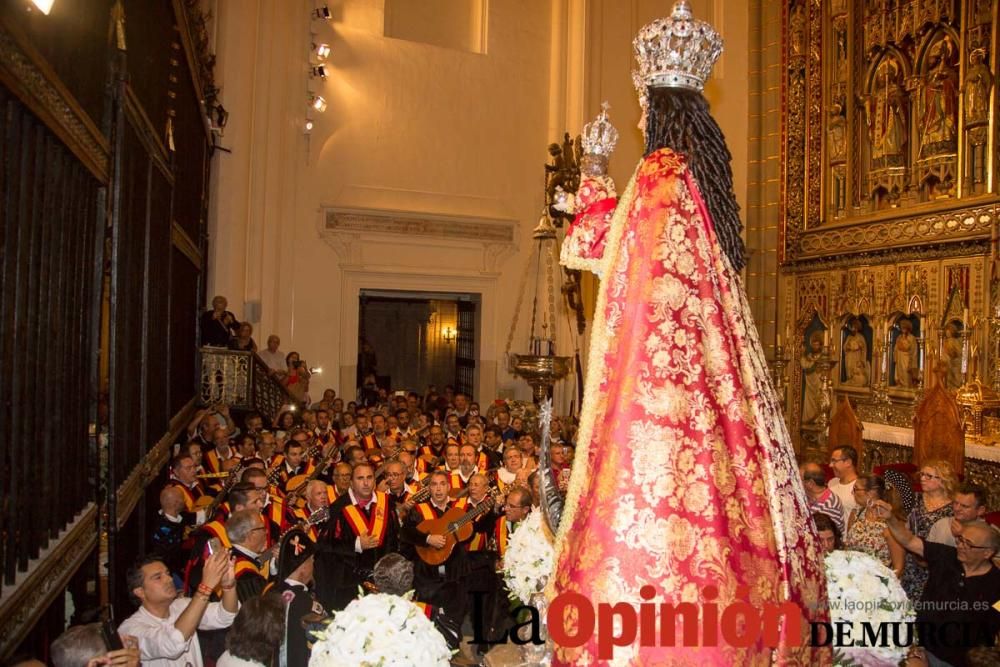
{"x":318,"y":103}
{"x":322,"y":51}
{"x":318,"y":70}
{"x":44,"y":6}
{"x":323,"y":13}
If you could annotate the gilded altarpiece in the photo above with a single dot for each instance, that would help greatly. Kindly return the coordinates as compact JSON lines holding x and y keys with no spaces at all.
{"x":890,"y":204}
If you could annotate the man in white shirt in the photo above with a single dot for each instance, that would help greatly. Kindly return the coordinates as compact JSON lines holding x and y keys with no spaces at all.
{"x":166,"y":624}
{"x":844,"y":461}
{"x":272,"y":356}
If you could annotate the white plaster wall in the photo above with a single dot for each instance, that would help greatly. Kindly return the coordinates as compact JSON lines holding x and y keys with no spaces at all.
{"x":421,"y":130}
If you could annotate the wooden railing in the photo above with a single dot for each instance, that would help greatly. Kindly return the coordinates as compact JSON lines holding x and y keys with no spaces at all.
{"x":240,"y":380}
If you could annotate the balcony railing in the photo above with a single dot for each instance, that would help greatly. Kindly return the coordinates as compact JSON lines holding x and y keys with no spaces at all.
{"x":240,"y":380}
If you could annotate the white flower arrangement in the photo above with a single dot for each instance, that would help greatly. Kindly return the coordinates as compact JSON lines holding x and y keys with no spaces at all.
{"x":380,"y":630}
{"x":529,"y":559}
{"x":863,"y":590}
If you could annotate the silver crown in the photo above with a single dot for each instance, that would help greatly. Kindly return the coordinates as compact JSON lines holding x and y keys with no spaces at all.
{"x":599,"y":135}
{"x":675,"y":52}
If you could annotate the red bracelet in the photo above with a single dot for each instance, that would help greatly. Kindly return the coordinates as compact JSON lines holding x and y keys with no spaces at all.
{"x":204,"y":590}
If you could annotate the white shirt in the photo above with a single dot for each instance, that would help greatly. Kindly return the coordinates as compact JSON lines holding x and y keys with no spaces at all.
{"x":274,"y":360}
{"x":845,"y":492}
{"x":940,"y":532}
{"x":163,"y":645}
{"x":506,"y":476}
{"x":227,"y":659}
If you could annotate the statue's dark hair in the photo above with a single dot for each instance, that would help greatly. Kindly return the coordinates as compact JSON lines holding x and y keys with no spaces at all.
{"x":678,"y":119}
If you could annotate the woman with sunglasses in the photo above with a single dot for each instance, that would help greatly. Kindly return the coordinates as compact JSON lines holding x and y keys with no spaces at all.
{"x":938,"y":482}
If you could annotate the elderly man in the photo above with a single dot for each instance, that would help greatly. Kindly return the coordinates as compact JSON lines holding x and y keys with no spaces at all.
{"x":84,"y":645}
{"x":512,"y":465}
{"x":363,"y":527}
{"x":248,"y":535}
{"x":272,"y":356}
{"x":844,"y":461}
{"x":821,"y":498}
{"x":962,"y":586}
{"x":221,"y":452}
{"x":166,"y":623}
{"x":968,"y":505}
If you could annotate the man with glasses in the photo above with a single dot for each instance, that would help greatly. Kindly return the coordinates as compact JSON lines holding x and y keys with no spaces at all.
{"x":962,"y":587}
{"x":248,"y":534}
{"x":844,"y":461}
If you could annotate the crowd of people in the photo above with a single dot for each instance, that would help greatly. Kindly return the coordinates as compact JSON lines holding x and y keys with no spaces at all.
{"x":935,"y":540}
{"x":327,"y":501}
{"x":267,"y":527}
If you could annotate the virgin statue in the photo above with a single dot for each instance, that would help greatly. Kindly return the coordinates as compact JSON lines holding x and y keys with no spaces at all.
{"x":684,"y":487}
{"x":812,"y":389}
{"x":857,"y":370}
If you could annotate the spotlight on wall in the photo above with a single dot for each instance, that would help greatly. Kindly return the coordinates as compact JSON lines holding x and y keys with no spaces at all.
{"x":318,"y":103}
{"x":322,"y":51}
{"x":308,"y":125}
{"x":323,"y":12}
{"x":318,"y":70}
{"x":44,"y":6}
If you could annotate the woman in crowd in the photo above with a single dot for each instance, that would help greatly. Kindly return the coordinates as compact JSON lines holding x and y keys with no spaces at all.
{"x":244,"y":339}
{"x":296,"y":377}
{"x":257,"y":630}
{"x":866,"y":531}
{"x":937,"y":480}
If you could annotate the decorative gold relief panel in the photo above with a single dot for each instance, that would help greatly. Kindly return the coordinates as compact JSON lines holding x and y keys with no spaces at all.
{"x":890,"y":124}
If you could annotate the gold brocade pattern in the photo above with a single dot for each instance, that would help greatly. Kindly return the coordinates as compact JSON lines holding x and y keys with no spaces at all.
{"x":685,"y":477}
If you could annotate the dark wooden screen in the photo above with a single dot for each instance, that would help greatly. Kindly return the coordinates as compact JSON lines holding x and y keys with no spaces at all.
{"x":104,"y":159}
{"x":465,"y":349}
{"x":49,"y":304}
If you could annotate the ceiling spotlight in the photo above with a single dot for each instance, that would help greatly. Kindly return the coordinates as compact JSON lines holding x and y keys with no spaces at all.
{"x":323,"y":13}
{"x":44,"y":6}
{"x":322,"y":51}
{"x":309,"y":125}
{"x":318,"y":103}
{"x":318,"y":70}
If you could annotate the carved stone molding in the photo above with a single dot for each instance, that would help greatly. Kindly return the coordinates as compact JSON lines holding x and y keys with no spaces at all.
{"x":891,"y":256}
{"x":23,"y":603}
{"x":27,"y":74}
{"x":345,"y":230}
{"x":944,"y":227}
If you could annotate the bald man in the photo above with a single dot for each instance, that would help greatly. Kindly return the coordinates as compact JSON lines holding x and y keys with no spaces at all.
{"x":169,"y":529}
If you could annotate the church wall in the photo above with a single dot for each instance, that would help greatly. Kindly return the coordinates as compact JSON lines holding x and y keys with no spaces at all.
{"x":431,"y":138}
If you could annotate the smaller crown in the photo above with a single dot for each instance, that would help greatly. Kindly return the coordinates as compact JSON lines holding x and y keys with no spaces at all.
{"x":599,"y":135}
{"x":676,"y":52}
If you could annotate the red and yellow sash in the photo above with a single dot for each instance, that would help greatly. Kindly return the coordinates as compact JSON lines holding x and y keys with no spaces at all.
{"x":484,"y":463}
{"x":190,"y":495}
{"x":218,"y":529}
{"x":377,"y":525}
{"x":369,"y":442}
{"x":426,"y":608}
{"x":427,"y":510}
{"x":501,"y":533}
{"x":212,"y":461}
{"x":455,"y":481}
{"x":244,"y":566}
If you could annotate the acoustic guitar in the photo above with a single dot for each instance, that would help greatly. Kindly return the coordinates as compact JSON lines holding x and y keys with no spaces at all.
{"x":455,"y":525}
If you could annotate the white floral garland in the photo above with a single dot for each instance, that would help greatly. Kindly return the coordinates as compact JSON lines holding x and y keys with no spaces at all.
{"x":529,"y":559}
{"x":380,"y":631}
{"x":862,"y":589}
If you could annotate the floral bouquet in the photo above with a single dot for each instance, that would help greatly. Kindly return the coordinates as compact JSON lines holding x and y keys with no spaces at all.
{"x":529,"y":559}
{"x":864,"y":591}
{"x":380,"y":631}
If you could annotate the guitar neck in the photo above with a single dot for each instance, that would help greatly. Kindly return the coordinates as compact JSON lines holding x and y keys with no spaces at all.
{"x":469,"y":517}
